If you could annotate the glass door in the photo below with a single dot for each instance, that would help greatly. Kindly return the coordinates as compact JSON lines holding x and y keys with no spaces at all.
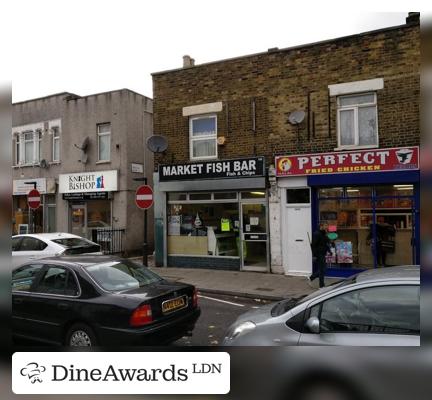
{"x":78,"y":220}
{"x":254,"y":236}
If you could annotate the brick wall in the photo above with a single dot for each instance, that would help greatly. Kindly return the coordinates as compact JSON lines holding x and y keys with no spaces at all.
{"x":281,"y":81}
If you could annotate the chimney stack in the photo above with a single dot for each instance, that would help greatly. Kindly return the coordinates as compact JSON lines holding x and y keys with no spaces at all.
{"x":188,"y":61}
{"x":413,"y":18}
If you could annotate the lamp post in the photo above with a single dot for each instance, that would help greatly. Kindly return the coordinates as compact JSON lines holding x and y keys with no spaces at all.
{"x":144,"y":246}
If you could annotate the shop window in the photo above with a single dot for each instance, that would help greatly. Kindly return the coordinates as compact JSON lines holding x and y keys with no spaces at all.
{"x":298,"y":196}
{"x":374,"y":310}
{"x":55,"y":144}
{"x":177,"y":197}
{"x":330,"y":192}
{"x":98,"y":214}
{"x":204,"y":229}
{"x":357,"y":120}
{"x":358,"y":191}
{"x":253,"y":195}
{"x":104,"y":141}
{"x":203,"y":137}
{"x":200,"y":196}
{"x":225,"y":196}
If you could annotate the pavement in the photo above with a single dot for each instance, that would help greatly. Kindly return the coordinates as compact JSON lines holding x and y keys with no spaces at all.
{"x":260,"y":285}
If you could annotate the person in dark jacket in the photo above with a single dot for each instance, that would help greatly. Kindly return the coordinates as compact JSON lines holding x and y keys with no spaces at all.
{"x":320,"y":247}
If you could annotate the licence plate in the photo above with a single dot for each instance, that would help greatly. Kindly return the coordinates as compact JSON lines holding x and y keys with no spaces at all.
{"x":173,"y":304}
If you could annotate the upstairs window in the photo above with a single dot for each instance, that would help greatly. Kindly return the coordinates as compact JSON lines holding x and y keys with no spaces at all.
{"x":55,"y":144}
{"x":29,"y":147}
{"x":357,"y":121}
{"x":104,"y":142}
{"x":17,"y":149}
{"x":203,"y":137}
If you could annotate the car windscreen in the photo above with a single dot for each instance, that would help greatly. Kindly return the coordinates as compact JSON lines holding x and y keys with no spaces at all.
{"x":285,"y":305}
{"x":121,"y":275}
{"x":77,"y":245}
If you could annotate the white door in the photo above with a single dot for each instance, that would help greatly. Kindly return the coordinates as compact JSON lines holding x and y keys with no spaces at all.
{"x":296,"y":232}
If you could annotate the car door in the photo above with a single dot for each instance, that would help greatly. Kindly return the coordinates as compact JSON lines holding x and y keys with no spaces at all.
{"x":30,"y":248}
{"x":374,"y":316}
{"x":23,"y":279}
{"x":53,"y":301}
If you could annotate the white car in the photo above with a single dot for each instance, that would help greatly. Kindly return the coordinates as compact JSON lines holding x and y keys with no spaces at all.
{"x":35,"y":246}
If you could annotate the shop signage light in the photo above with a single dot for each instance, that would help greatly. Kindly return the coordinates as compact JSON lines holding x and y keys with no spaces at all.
{"x":239,"y":168}
{"x":376,"y":160}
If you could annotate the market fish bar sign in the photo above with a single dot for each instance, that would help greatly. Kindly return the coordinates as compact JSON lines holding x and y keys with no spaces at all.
{"x":239,"y":168}
{"x":376,"y":160}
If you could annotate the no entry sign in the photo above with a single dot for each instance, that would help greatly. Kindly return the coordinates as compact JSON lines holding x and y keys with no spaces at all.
{"x":144,"y":197}
{"x":33,"y":199}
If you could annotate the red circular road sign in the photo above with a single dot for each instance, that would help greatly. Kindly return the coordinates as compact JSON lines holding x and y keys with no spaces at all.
{"x":34,"y":199}
{"x":144,"y":197}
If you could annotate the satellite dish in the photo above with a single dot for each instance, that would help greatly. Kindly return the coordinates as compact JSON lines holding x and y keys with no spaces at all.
{"x":43,"y":163}
{"x":157,"y":143}
{"x":84,"y":158}
{"x":296,"y":117}
{"x":84,"y":144}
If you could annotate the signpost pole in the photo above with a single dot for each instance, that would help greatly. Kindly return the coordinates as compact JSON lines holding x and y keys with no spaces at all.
{"x":144,"y":249}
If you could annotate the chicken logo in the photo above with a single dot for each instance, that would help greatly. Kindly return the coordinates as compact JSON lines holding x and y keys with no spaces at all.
{"x":33,"y":371}
{"x":284,"y":164}
{"x":404,"y":156}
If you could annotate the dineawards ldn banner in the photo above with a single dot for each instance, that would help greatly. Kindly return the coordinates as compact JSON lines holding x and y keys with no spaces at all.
{"x":121,"y":373}
{"x":373,"y":160}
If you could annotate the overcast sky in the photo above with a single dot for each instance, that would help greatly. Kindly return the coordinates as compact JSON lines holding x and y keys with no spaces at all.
{"x":94,"y":46}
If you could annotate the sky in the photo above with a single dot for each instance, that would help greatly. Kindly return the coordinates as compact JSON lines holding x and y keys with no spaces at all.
{"x":87,"y":47}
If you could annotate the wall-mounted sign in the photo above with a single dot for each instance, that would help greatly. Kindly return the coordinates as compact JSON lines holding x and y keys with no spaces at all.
{"x":82,"y":182}
{"x":239,"y":168}
{"x":20,"y":187}
{"x":138,"y":168}
{"x":86,"y":196}
{"x":375,"y":160}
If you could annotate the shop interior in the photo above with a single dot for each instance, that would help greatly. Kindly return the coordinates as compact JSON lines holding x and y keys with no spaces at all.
{"x":373,"y":225}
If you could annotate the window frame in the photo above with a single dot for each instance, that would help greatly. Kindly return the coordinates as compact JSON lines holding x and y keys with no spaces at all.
{"x":55,"y":141}
{"x":24,"y":148}
{"x":17,"y":148}
{"x":99,"y":135}
{"x":193,"y":139}
{"x":355,"y":109}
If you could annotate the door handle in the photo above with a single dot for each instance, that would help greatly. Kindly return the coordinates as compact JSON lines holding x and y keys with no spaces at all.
{"x":62,"y":306}
{"x":17,"y":301}
{"x":299,"y":240}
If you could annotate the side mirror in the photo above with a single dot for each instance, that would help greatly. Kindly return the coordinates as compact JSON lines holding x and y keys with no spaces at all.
{"x":313,"y":324}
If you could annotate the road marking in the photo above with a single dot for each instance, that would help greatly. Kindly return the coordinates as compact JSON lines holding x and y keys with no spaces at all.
{"x":221,"y":301}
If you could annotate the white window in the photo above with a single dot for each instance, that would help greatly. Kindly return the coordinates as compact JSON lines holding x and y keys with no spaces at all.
{"x":357,"y":121}
{"x":55,"y":144}
{"x":203,"y":137}
{"x":104,"y":142}
{"x":29,"y":147}
{"x":17,"y":149}
{"x":38,"y":146}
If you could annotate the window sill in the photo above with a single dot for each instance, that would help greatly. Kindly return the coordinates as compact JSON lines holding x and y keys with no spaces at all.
{"x":26,"y":165}
{"x":54,"y":163}
{"x":203,"y":159}
{"x":356,"y":147}
{"x":103,"y":162}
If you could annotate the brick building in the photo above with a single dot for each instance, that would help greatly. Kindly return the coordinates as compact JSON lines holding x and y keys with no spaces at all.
{"x":358,"y":94}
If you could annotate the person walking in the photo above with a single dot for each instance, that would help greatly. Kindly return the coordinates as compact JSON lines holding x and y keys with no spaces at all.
{"x":320,"y":247}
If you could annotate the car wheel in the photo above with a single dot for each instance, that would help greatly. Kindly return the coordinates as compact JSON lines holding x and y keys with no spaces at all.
{"x":80,"y":335}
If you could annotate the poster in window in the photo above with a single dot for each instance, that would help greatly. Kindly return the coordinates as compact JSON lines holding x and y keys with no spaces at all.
{"x":174,"y":223}
{"x":344,"y":252}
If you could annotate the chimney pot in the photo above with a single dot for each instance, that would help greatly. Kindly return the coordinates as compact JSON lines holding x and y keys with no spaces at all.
{"x":413,"y":18}
{"x":188,"y":61}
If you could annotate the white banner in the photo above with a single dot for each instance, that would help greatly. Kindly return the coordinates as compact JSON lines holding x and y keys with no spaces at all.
{"x":82,"y":182}
{"x":121,"y":373}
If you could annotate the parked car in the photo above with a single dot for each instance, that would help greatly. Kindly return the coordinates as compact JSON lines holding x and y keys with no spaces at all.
{"x":374,"y":308}
{"x":34,"y":246}
{"x":99,"y":300}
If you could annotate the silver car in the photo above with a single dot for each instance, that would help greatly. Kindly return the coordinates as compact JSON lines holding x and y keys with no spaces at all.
{"x":374,"y":308}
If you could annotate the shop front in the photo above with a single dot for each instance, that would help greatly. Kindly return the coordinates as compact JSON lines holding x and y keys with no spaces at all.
{"x":369,"y":200}
{"x":212,"y":214}
{"x":43,"y":219}
{"x":89,"y":196}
